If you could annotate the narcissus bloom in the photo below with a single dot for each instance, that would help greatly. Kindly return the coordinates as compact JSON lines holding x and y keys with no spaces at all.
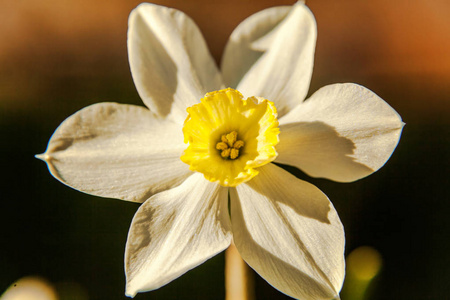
{"x":201,"y":157}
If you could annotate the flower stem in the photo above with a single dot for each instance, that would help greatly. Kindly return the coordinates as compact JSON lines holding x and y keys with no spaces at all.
{"x":238,"y":276}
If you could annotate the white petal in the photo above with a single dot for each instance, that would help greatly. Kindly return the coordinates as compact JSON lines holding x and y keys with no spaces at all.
{"x":289,"y":232}
{"x":344,"y":132}
{"x":240,"y":53}
{"x":175,"y":231}
{"x":170,"y":63}
{"x":117,"y":151}
{"x":283,"y":71}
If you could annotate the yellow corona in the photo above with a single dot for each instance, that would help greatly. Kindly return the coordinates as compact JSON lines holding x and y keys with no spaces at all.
{"x":230,"y":137}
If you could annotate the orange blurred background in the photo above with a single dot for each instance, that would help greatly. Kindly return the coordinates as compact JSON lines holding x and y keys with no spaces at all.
{"x":402,"y":45}
{"x":59,"y":56}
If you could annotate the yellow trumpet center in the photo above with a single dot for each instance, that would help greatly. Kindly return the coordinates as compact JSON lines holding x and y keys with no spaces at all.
{"x":229,"y":145}
{"x":230,"y":137}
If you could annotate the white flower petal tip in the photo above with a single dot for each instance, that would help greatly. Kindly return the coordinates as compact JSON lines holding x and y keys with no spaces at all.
{"x":344,"y":132}
{"x":289,"y":233}
{"x":274,"y":45}
{"x":175,"y":231}
{"x":169,"y":60}
{"x":129,"y":292}
{"x":43,"y":156}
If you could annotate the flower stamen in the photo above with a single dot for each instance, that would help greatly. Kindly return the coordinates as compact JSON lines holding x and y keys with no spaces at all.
{"x":229,"y":145}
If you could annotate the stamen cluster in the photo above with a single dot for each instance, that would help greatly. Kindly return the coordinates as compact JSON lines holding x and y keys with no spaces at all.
{"x":230,"y":145}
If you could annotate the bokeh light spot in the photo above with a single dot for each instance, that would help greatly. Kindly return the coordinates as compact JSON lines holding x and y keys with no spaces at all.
{"x":364,"y":263}
{"x":30,"y":288}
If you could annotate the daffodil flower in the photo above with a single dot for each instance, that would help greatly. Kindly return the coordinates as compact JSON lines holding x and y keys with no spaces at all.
{"x":200,"y":158}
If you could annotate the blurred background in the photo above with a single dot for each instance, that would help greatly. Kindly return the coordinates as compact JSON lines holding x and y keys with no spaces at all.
{"x":57,"y":57}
